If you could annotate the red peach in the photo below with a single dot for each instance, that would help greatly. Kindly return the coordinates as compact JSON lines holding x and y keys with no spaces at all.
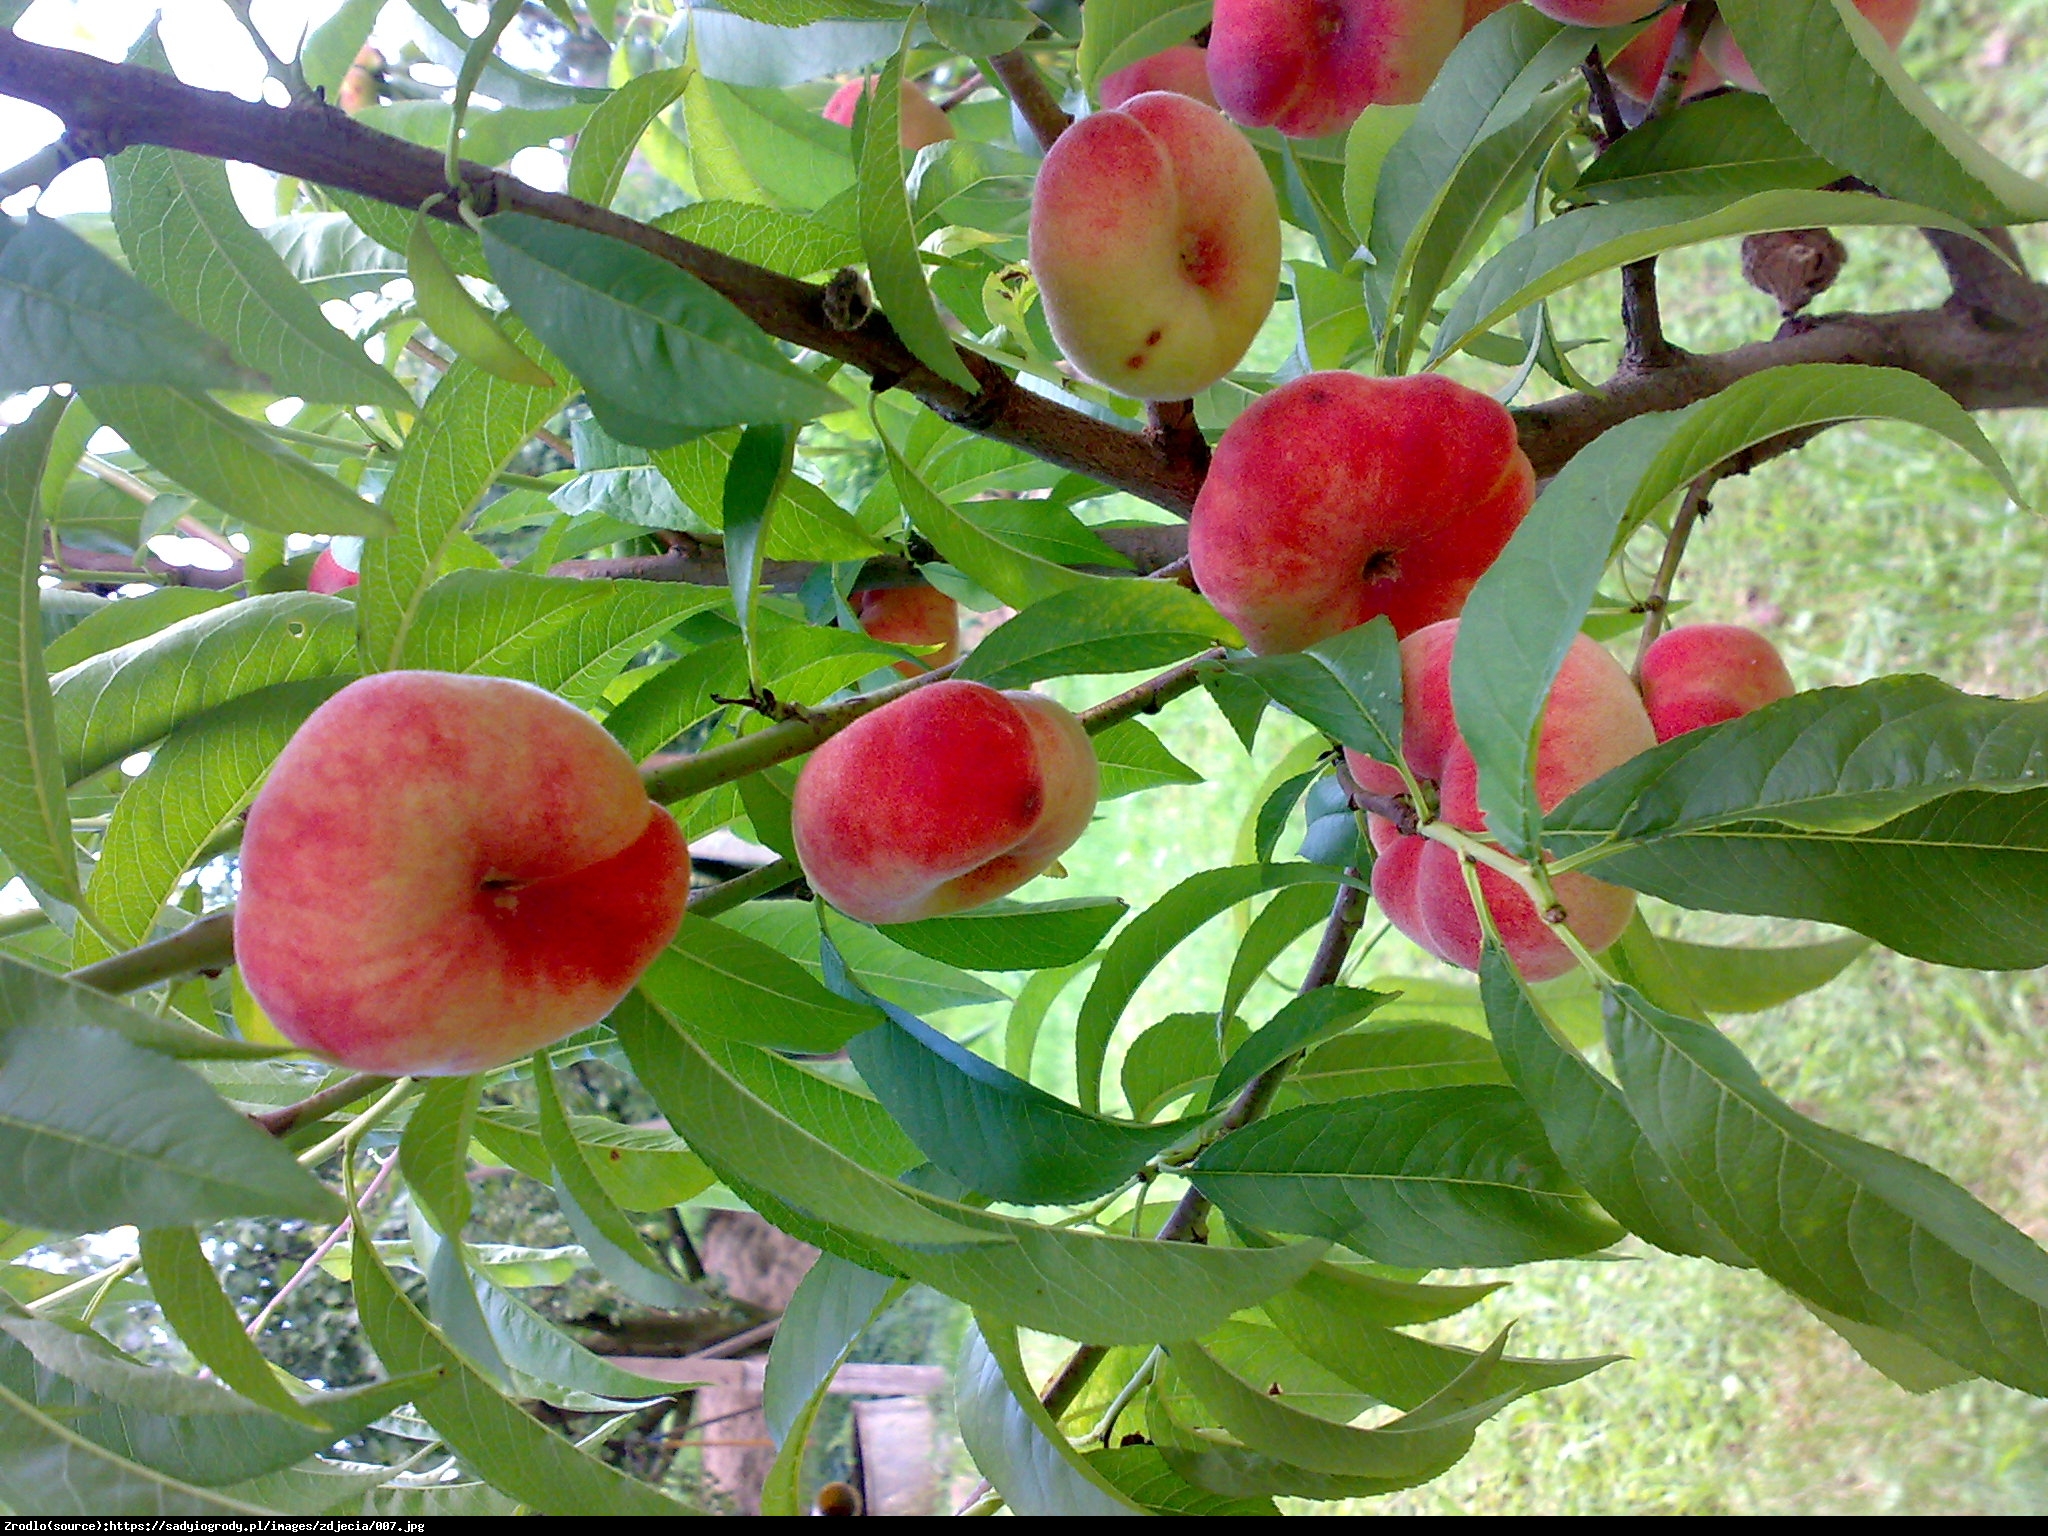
{"x":1338,"y":498}
{"x":1596,"y":13}
{"x":1704,"y":674}
{"x":947,"y":798}
{"x":1593,"y":722}
{"x":1155,"y":240}
{"x":1892,"y":18}
{"x":444,"y":873}
{"x":329,"y":574}
{"x":1477,"y":11}
{"x":920,"y":122}
{"x":1184,"y":69}
{"x":1309,"y":67}
{"x":920,"y":616}
{"x":1637,"y":68}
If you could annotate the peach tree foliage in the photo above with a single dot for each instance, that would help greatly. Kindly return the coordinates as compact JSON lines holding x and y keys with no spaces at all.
{"x":617,"y":467}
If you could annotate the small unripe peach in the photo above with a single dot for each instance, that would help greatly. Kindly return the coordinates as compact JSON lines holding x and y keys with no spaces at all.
{"x":1184,"y":69}
{"x":1593,"y":722}
{"x":1596,"y":13}
{"x":1155,"y":240}
{"x":919,"y":616}
{"x":1892,"y":18}
{"x":1704,"y":674}
{"x":1637,"y":69}
{"x":1338,"y":498}
{"x":919,"y":121}
{"x":444,"y":873}
{"x":1309,"y":67}
{"x":947,"y":798}
{"x":329,"y":574}
{"x":362,"y":86}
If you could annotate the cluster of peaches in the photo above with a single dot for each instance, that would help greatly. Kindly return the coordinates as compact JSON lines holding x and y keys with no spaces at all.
{"x":444,"y":873}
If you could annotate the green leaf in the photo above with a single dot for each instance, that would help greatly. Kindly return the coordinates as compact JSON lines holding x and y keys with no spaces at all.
{"x":507,"y":1447}
{"x":1861,"y":1231}
{"x":739,"y":988}
{"x":1179,"y":1053}
{"x":1390,"y":1058}
{"x":542,"y":1354}
{"x":1154,"y":934}
{"x":1291,"y":913}
{"x":1124,"y":626}
{"x":468,"y":431}
{"x":35,"y":828}
{"x":230,"y":463}
{"x":753,"y":481}
{"x":71,"y":316}
{"x":122,"y":700}
{"x":1589,"y":1126}
{"x":469,"y":329}
{"x":131,"y":618}
{"x":646,"y":335}
{"x":1305,"y":1021}
{"x":1014,"y":1441}
{"x":1589,"y":241}
{"x":641,"y":1169}
{"x":185,"y":1286}
{"x":47,"y":1466}
{"x":1738,"y":979}
{"x":996,"y":1133}
{"x":1846,"y":95}
{"x":605,"y":146}
{"x":1120,"y":32}
{"x":830,"y":1308}
{"x":30,"y":995}
{"x":768,"y":237}
{"x":330,"y":257}
{"x":804,"y":524}
{"x":1348,"y":687}
{"x":1436,"y":1178}
{"x":1728,"y":146}
{"x":331,"y":48}
{"x":1014,"y":935}
{"x":894,"y":267}
{"x":761,"y":146}
{"x":879,"y":964}
{"x":96,"y":1132}
{"x":186,"y":238}
{"x":1132,"y":760}
{"x":1027,"y":1014}
{"x":1141,"y":1473}
{"x":433,"y":1154}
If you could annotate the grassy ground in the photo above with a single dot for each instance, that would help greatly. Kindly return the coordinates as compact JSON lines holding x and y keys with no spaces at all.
{"x":1874,"y":550}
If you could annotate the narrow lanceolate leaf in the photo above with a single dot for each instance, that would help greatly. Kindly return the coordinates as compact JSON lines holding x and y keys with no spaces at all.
{"x":458,"y":319}
{"x":998,"y":1134}
{"x":1589,"y":241}
{"x":662,"y":355}
{"x":1124,"y":626}
{"x":198,"y":781}
{"x":894,"y":267}
{"x":29,"y":995}
{"x":433,"y":1155}
{"x":1014,"y":935}
{"x":70,"y":316}
{"x":1120,"y":32}
{"x":122,"y":700}
{"x":1437,"y":1178}
{"x":599,"y":1225}
{"x":1151,"y":936}
{"x":1348,"y":687}
{"x":509,"y":1448}
{"x":1730,"y":145}
{"x":641,"y":1168}
{"x":753,"y":481}
{"x":833,"y":1304}
{"x":231,"y":464}
{"x":1312,"y":1017}
{"x":35,"y":818}
{"x":187,"y":239}
{"x":1589,"y":1125}
{"x":1813,"y":56}
{"x":1730,"y":978}
{"x":183,"y":1281}
{"x":468,"y":431}
{"x":96,"y":1132}
{"x":1014,"y":1441}
{"x":605,"y":146}
{"x":1902,"y":809}
{"x":727,"y":984}
{"x":1855,"y":1228}
{"x":48,"y":1467}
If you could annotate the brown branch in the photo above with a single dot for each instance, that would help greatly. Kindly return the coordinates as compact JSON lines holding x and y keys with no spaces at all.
{"x":1028,"y":92}
{"x":350,"y":1090}
{"x":1685,"y":52}
{"x":1153,"y":695}
{"x":1642,"y":317}
{"x":1171,"y":425}
{"x":110,"y":106}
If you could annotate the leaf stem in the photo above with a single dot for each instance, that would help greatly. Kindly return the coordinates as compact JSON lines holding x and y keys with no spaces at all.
{"x":1656,"y":605}
{"x":318,"y":1106}
{"x":326,"y":1246}
{"x":103,"y":1278}
{"x":204,"y":945}
{"x":1124,"y":1397}
{"x":1028,"y":92}
{"x":349,"y":1134}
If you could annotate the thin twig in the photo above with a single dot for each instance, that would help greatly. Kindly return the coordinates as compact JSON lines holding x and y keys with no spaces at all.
{"x":1656,"y":605}
{"x":1027,"y":89}
{"x":206,"y":944}
{"x":1685,"y":51}
{"x":318,"y":1106}
{"x":42,"y":167}
{"x":326,"y":1246}
{"x":1153,"y":695}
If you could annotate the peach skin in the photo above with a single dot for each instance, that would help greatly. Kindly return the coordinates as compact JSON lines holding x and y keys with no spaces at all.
{"x":329,"y":574}
{"x":1155,"y":240}
{"x":1309,"y":67}
{"x":919,"y":616}
{"x":1593,"y":722}
{"x":1637,"y":68}
{"x":1704,"y":674}
{"x":919,"y":121}
{"x":947,"y":798}
{"x":1338,"y":498}
{"x":1184,"y":69}
{"x":1597,"y":13}
{"x":444,"y":873}
{"x":1892,"y":18}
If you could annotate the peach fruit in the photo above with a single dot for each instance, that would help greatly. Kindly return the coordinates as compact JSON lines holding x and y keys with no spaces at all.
{"x":920,"y":122}
{"x":1338,"y":498}
{"x":920,"y":616}
{"x":948,"y":797}
{"x":1184,"y":69}
{"x":1704,"y":674}
{"x":1637,"y":68}
{"x":1477,"y":11}
{"x":1892,"y":18}
{"x":1593,"y":722}
{"x":444,"y":873}
{"x":329,"y":574}
{"x":1155,"y":240}
{"x":1309,"y":67}
{"x":1596,"y":13}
